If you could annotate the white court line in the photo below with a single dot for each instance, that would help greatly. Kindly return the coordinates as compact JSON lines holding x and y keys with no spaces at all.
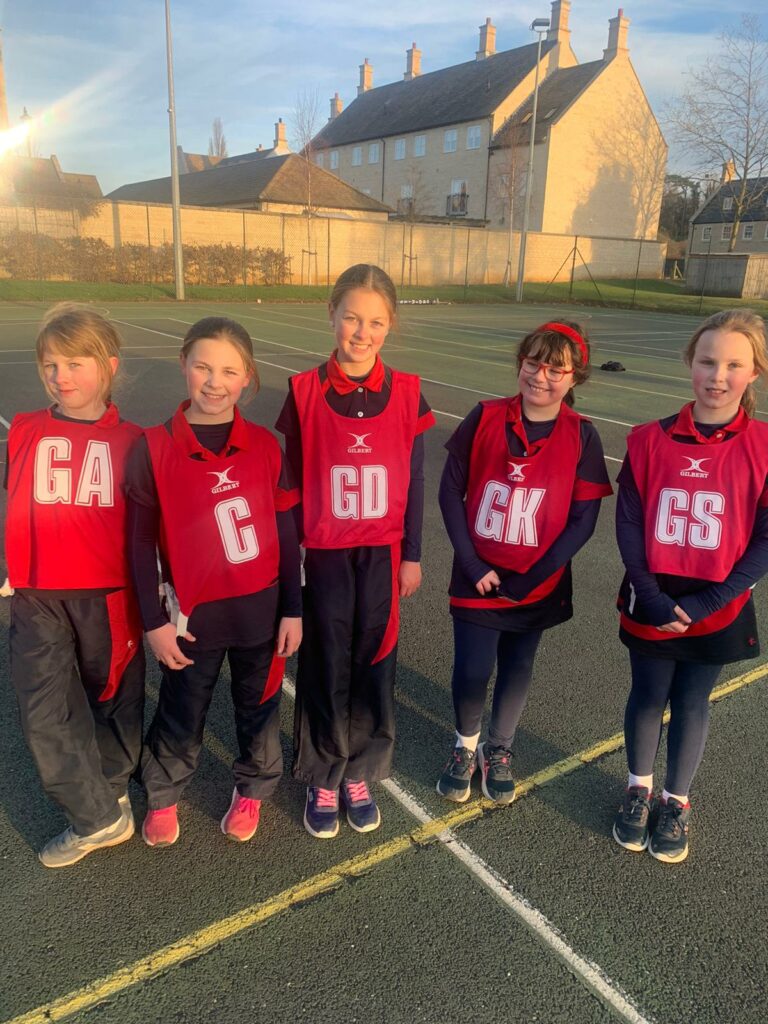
{"x":5,"y":422}
{"x":592,"y":976}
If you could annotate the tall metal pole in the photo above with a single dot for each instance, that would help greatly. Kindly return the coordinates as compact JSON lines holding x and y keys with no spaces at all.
{"x":539,"y":25}
{"x":178,"y":260}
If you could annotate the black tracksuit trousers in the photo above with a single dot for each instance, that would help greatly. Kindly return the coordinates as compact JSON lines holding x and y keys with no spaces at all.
{"x":175,"y":737}
{"x":85,"y":748}
{"x":344,"y":725}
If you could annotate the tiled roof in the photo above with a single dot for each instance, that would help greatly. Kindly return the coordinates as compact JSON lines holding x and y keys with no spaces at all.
{"x":280,"y":179}
{"x":41,"y":176}
{"x":464,"y":92}
{"x":556,"y":93}
{"x":757,"y":209}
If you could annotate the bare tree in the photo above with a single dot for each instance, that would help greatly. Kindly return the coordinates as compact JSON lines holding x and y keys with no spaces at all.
{"x":306,"y":121}
{"x":722,"y":117}
{"x":507,"y":184}
{"x":217,"y":144}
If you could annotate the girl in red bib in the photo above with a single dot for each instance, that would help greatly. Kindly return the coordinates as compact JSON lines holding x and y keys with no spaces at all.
{"x":520,"y":495}
{"x":77,"y":662}
{"x":692,"y":528}
{"x":211,"y":492}
{"x":353,"y":431}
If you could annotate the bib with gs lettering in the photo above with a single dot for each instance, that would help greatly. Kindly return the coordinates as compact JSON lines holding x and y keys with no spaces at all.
{"x":699,"y":501}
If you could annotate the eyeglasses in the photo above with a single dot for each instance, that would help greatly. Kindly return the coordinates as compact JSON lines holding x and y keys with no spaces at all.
{"x":552,"y":373}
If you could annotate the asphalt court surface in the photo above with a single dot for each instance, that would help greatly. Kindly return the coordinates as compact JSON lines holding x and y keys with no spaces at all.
{"x":531,"y":912}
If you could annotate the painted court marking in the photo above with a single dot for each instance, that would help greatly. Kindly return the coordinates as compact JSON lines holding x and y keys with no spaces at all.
{"x":205,"y":939}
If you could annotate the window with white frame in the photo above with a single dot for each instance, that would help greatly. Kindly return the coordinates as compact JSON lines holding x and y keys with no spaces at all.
{"x":334,"y":162}
{"x":726,"y":232}
{"x":728,"y":203}
{"x":450,"y":138}
{"x":373,"y":153}
{"x":406,"y":191}
{"x":319,"y":160}
{"x":473,"y":136}
{"x":766,"y":232}
{"x":748,"y":231}
{"x":419,"y":145}
{"x":706,"y":234}
{"x":457,"y":202}
{"x":399,"y":149}
{"x":357,"y":156}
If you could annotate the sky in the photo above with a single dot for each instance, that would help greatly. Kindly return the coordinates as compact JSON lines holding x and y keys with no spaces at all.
{"x":93,"y":73}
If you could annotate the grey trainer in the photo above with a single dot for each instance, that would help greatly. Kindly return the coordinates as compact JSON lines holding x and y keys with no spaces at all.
{"x":68,"y":847}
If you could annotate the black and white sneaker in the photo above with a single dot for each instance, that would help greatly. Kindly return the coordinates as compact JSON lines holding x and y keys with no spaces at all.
{"x":669,"y":841}
{"x":454,"y":784}
{"x":631,"y":824}
{"x":495,"y":765}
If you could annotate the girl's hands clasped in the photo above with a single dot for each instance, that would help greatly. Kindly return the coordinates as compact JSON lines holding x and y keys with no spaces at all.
{"x":680,"y":624}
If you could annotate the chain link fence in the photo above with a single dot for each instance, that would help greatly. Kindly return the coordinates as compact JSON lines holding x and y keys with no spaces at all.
{"x":132,"y":243}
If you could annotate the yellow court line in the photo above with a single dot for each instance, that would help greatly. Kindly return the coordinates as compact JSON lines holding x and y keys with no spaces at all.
{"x":202,"y":941}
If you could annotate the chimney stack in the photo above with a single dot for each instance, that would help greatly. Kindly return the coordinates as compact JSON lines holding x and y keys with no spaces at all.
{"x":487,"y":41}
{"x":617,"y":37}
{"x":336,"y":107}
{"x":413,"y":63}
{"x":281,"y":146}
{"x":558,"y":22}
{"x":366,"y":78}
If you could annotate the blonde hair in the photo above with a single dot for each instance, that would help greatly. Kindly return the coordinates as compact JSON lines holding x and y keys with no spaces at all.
{"x":370,"y":277}
{"x":73,"y":330}
{"x":742,"y":321}
{"x":548,"y":345}
{"x":215,"y":327}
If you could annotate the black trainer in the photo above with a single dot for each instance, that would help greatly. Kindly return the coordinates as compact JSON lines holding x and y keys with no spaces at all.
{"x":495,"y":765}
{"x":669,"y":841}
{"x":631,"y":825}
{"x":454,"y":784}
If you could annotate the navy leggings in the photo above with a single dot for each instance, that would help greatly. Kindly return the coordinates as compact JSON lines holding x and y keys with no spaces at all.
{"x":686,"y":686}
{"x":477,"y":650}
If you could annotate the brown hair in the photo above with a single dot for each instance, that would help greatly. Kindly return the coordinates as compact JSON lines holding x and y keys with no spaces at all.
{"x":215,"y":327}
{"x":73,"y":330}
{"x":548,"y":345}
{"x":371,"y":277}
{"x":741,"y":321}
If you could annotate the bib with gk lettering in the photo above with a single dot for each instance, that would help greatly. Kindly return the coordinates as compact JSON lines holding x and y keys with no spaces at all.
{"x":356,"y":471}
{"x":66,"y":508}
{"x":218,"y":529}
{"x":518,"y":506}
{"x":699,"y":501}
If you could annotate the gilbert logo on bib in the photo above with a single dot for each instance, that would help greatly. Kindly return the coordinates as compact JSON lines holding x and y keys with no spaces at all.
{"x":223,"y":483}
{"x":695,"y":468}
{"x":515,"y":471}
{"x":360,"y":445}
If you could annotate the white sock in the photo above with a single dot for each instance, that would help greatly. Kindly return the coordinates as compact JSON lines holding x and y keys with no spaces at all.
{"x":640,"y":780}
{"x":470,"y":742}
{"x":666,"y":795}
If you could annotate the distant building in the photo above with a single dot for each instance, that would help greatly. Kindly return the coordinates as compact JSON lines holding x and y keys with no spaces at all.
{"x":260,"y":181}
{"x":453,"y":143}
{"x":191,"y":162}
{"x":28,"y":179}
{"x":712,"y":226}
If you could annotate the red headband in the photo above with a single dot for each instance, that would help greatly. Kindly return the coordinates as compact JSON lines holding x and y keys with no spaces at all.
{"x":569,"y":333}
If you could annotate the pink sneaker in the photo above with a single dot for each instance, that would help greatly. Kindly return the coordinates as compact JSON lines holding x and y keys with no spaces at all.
{"x":242,"y":819}
{"x":161,"y":828}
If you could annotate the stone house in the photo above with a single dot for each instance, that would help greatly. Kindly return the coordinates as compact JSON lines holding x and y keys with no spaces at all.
{"x":453,"y":143}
